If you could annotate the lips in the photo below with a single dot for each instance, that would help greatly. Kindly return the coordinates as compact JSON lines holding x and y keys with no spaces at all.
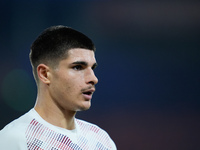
{"x":87,"y":93}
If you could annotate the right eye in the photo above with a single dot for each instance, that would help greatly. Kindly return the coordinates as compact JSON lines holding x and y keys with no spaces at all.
{"x":78,"y":67}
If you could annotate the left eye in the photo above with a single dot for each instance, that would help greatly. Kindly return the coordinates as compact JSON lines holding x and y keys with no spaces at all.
{"x":78,"y":67}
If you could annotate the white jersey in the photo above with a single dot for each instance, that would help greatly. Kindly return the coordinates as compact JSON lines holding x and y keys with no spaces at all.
{"x":31,"y":132}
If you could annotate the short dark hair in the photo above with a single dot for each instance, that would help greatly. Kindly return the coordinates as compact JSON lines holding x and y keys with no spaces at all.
{"x":52,"y":45}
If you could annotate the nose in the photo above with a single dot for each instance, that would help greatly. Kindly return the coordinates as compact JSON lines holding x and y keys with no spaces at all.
{"x":91,"y":77}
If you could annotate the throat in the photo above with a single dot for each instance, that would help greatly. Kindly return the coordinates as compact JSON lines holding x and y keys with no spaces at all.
{"x":58,"y":118}
{"x":67,"y":124}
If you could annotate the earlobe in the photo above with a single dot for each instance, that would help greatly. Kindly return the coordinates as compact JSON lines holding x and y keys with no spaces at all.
{"x":43,"y":73}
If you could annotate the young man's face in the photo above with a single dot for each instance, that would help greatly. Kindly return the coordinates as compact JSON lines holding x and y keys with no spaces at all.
{"x":72,"y":83}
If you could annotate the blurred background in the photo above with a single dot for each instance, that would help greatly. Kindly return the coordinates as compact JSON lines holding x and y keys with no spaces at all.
{"x":148,"y":95}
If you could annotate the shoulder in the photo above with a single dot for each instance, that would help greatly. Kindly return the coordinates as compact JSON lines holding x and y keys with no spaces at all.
{"x":19,"y":123}
{"x":95,"y":133}
{"x":12,"y":136}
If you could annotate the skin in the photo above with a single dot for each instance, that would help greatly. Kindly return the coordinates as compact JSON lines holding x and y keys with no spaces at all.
{"x":66,"y":89}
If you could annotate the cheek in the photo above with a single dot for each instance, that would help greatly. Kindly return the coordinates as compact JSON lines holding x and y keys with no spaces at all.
{"x":75,"y":79}
{"x":71,"y":83}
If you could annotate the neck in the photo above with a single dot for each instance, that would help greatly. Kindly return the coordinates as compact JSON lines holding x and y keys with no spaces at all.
{"x":55,"y":115}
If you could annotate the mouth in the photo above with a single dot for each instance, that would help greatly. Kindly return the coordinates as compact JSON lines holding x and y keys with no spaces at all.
{"x":87,"y":94}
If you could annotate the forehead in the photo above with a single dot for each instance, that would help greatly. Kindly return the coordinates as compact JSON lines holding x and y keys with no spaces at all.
{"x":80,"y":54}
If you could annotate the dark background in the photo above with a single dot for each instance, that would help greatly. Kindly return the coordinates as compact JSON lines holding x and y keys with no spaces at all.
{"x":148,"y":53}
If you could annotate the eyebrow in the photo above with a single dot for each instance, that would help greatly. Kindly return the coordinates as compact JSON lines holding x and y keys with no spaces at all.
{"x":84,"y":63}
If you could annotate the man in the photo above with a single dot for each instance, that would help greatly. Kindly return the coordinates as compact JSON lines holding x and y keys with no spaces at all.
{"x":63,"y":63}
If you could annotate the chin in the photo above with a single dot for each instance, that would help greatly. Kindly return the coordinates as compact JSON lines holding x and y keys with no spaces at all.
{"x":85,"y":107}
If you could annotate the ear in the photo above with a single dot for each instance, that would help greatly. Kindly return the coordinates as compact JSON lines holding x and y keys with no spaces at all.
{"x":43,"y":73}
